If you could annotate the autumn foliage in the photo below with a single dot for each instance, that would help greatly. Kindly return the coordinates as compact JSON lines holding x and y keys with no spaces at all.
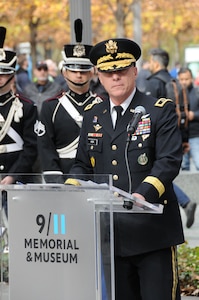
{"x":169,"y":24}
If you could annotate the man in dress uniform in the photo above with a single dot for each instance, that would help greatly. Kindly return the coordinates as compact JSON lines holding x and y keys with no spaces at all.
{"x":61,"y":117}
{"x":145,"y":244}
{"x":18,"y":141}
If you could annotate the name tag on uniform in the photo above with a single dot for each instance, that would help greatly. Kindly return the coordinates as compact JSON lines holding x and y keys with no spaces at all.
{"x":92,"y":141}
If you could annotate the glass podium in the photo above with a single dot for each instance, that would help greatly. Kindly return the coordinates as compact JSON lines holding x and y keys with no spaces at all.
{"x":59,"y":238}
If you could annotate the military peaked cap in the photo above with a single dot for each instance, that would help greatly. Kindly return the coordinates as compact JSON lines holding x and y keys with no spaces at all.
{"x":115,"y":54}
{"x":8,"y":58}
{"x":76,"y":57}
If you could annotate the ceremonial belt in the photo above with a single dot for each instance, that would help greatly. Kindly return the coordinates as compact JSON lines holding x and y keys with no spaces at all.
{"x":7,"y":148}
{"x":70,"y":150}
{"x":73,"y":112}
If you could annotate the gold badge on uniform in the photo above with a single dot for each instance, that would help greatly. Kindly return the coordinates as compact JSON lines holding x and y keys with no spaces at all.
{"x":92,"y":159}
{"x":145,"y":136}
{"x":97,"y":127}
{"x":143,"y":159}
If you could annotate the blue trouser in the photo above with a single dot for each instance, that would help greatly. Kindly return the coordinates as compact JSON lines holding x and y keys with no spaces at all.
{"x":194,"y":153}
{"x":182,"y":198}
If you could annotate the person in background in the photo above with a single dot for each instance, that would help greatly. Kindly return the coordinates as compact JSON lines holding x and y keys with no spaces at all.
{"x":185,"y":78}
{"x":96,"y":86}
{"x":22,"y":76}
{"x":18,"y":115}
{"x":143,"y":74}
{"x":54,"y":74}
{"x":42,"y":88}
{"x":196,"y":80}
{"x":174,"y":71}
{"x":145,"y":244}
{"x":61,"y":117}
{"x":156,"y":86}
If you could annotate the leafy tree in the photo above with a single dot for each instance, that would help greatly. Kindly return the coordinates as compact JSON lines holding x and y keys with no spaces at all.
{"x":153,"y":23}
{"x":35,"y":21}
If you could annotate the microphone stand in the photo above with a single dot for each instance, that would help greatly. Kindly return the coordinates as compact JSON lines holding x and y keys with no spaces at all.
{"x":128,"y":204}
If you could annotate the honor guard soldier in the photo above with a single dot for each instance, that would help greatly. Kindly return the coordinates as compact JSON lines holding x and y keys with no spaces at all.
{"x":143,"y":152}
{"x":61,"y":117}
{"x":18,"y":141}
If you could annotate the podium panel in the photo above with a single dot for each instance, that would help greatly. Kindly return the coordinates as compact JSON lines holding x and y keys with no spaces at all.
{"x":51,"y":245}
{"x":61,"y":238}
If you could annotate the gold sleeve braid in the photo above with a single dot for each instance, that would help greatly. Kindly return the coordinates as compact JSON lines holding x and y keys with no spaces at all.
{"x":158,"y":185}
{"x":72,"y":181}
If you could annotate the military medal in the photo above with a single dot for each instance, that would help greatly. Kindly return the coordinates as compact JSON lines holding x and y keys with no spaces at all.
{"x":142,"y":159}
{"x":144,"y":127}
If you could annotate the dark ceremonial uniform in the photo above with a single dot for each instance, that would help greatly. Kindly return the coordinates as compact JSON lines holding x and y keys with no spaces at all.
{"x":18,"y":141}
{"x":58,"y":134}
{"x":154,"y":156}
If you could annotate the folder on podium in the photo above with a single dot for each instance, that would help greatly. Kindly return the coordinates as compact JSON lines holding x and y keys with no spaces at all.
{"x":61,"y":238}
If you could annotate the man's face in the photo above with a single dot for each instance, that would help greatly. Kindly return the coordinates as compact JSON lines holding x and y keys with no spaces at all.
{"x":41,"y":74}
{"x":185,"y":79}
{"x":3,"y":79}
{"x":76,"y":79}
{"x":119,"y":84}
{"x":153,"y":65}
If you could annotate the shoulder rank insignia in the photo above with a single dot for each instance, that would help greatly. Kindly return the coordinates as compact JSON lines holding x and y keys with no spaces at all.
{"x":96,"y":101}
{"x":162,"y":101}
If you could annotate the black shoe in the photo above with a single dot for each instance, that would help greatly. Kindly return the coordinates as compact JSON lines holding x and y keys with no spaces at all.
{"x":190,"y":213}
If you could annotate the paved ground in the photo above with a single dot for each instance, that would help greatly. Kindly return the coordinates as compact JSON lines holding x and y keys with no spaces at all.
{"x":189,"y":181}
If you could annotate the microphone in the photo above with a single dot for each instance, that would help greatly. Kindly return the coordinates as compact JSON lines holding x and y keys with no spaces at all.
{"x":133,"y":124}
{"x":131,"y":128}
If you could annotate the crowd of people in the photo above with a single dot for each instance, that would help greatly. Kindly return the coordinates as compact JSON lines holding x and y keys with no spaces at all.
{"x":67,"y":123}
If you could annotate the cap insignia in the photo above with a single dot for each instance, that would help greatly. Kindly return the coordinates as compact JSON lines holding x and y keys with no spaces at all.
{"x":2,"y":54}
{"x":125,"y":55}
{"x":79,"y":50}
{"x":111,"y":47}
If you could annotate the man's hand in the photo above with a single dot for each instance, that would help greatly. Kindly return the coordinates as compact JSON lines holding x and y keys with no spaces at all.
{"x":185,"y":147}
{"x":7,"y":180}
{"x":136,"y":195}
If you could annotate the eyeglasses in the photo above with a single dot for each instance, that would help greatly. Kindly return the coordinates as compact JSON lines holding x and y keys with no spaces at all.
{"x":42,"y":68}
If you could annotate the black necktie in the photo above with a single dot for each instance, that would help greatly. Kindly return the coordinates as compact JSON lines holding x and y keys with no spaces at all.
{"x":119,"y":110}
